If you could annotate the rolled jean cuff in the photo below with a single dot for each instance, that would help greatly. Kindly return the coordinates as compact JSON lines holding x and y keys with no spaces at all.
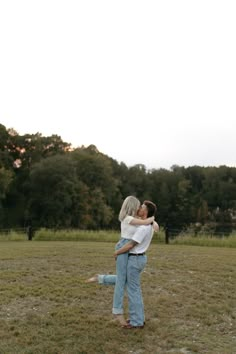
{"x":100,"y":278}
{"x":116,"y":311}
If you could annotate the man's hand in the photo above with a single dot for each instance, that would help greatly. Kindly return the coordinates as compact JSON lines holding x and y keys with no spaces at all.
{"x":156,"y":226}
{"x":126,"y":248}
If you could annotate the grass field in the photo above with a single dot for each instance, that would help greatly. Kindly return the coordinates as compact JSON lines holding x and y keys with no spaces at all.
{"x":46,"y":307}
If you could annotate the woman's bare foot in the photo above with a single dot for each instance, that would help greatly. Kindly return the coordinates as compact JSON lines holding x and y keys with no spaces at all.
{"x":120,"y":319}
{"x":94,"y":279}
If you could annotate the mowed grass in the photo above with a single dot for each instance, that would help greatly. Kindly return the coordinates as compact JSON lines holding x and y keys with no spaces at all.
{"x":46,"y":306}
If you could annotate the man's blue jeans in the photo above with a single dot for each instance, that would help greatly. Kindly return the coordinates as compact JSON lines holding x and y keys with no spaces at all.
{"x":136,"y":265}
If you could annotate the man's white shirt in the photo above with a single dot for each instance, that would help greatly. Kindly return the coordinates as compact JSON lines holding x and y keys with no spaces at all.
{"x":143,"y":236}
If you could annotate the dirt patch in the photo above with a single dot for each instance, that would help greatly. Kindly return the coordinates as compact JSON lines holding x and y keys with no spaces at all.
{"x":22,"y":308}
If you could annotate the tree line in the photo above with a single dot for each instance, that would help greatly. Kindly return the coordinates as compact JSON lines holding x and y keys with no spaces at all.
{"x":44,"y":182}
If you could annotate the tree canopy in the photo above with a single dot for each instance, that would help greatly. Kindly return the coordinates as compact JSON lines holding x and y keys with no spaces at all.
{"x":46,"y":183}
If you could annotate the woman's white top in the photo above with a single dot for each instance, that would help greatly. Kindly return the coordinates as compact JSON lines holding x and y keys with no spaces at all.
{"x":127,"y":230}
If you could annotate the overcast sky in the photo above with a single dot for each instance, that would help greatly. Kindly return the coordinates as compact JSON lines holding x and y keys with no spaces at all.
{"x":149,"y":82}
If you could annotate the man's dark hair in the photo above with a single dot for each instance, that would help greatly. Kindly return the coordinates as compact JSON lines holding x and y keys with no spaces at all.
{"x":151,"y":207}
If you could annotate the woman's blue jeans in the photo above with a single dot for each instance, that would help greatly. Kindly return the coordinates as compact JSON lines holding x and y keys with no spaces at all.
{"x":107,"y":279}
{"x":119,"y":280}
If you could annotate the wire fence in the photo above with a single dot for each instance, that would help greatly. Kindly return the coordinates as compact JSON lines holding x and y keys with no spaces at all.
{"x":169,"y":233}
{"x":213,"y":233}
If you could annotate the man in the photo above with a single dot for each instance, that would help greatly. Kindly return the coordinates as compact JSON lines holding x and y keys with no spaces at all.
{"x":136,"y":263}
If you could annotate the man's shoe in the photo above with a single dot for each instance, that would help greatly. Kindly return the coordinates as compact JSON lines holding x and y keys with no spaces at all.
{"x":129,"y":326}
{"x":128,"y":321}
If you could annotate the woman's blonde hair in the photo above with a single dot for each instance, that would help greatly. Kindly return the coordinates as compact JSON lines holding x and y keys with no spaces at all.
{"x":130,"y":206}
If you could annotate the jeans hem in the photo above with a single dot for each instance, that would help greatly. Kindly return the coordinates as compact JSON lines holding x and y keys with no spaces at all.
{"x":100,"y":279}
{"x":117,"y":311}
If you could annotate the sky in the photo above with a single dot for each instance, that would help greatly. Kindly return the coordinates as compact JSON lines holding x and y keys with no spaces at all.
{"x":147,"y":82}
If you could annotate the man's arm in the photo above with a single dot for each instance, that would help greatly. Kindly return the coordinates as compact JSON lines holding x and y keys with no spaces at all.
{"x":128,"y":246}
{"x":136,"y":239}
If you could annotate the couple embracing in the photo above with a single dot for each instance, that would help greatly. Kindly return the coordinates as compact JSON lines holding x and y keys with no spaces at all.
{"x":137,"y":227}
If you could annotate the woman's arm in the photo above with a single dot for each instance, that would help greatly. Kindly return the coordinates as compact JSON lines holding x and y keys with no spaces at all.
{"x":136,"y":221}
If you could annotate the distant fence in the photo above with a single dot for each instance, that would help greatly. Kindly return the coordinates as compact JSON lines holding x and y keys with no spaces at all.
{"x":168,"y":233}
{"x":171,"y":233}
{"x":176,"y":232}
{"x":27,"y":231}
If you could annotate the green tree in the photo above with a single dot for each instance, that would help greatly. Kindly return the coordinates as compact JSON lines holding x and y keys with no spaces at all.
{"x":95,"y":170}
{"x":6,"y":159}
{"x":57,"y":197}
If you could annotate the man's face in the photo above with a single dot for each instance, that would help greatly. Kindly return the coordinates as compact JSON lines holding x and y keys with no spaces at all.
{"x":142,"y":212}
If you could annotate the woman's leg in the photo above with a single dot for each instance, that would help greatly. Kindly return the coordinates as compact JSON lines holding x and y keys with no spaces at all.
{"x":107,"y":279}
{"x":119,"y":280}
{"x":104,"y":279}
{"x":121,"y":277}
